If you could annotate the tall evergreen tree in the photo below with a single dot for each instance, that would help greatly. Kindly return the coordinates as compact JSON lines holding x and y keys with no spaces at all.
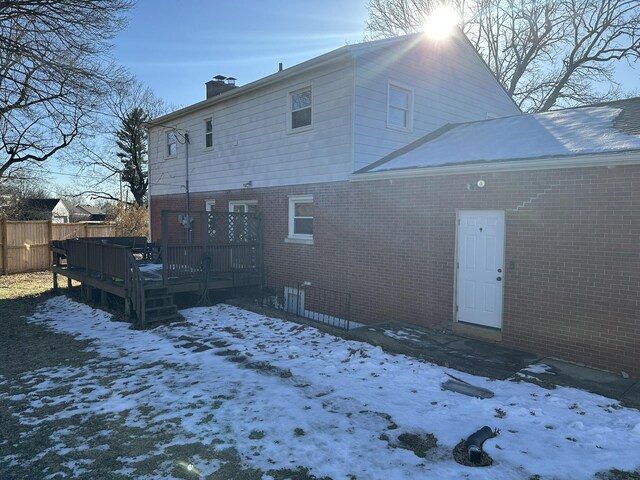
{"x":132,"y":144}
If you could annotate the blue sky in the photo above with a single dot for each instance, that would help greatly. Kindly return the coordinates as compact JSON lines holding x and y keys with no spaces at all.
{"x":175,"y":47}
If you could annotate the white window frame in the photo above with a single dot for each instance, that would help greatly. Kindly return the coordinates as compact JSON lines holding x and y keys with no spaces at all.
{"x":167,"y":144}
{"x":409,"y":111}
{"x":290,"y":110}
{"x":293,"y":237}
{"x":207,"y":134}
{"x":246,"y":203}
{"x":210,"y":205}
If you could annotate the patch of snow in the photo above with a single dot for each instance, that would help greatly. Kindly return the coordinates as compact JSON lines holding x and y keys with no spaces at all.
{"x":297,"y":396}
{"x":588,"y":130}
{"x":538,"y":368}
{"x":150,"y":267}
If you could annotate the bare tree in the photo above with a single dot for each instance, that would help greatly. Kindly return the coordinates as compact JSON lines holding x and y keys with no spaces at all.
{"x":15,"y":200}
{"x":546,"y":53}
{"x":100,"y":156}
{"x":54,"y":71}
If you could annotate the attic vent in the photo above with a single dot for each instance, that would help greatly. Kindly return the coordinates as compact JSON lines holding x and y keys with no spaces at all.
{"x":220,"y":84}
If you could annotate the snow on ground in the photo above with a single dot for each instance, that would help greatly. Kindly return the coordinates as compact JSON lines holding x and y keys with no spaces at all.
{"x":285,"y":395}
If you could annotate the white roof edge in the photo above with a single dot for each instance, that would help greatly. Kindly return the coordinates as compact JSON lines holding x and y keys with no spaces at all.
{"x":330,"y":57}
{"x":572,"y":161}
{"x":347,"y":51}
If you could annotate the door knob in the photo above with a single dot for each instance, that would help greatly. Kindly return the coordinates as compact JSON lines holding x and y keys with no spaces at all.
{"x":499,"y":279}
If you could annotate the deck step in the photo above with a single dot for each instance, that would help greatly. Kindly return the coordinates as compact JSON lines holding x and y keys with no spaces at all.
{"x":155,"y":291}
{"x":165,"y":308}
{"x":158,"y":301}
{"x":163,"y":319}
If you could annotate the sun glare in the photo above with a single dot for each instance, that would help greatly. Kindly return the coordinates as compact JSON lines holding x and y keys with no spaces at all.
{"x":441,"y":22}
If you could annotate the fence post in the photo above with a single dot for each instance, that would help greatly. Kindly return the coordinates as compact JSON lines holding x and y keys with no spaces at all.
{"x":5,"y":248}
{"x":49,"y":240}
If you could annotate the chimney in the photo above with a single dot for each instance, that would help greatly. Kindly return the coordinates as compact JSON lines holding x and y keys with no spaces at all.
{"x":220,"y":84}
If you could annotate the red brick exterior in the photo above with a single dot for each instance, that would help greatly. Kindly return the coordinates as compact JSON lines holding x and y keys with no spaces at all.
{"x":572,"y":252}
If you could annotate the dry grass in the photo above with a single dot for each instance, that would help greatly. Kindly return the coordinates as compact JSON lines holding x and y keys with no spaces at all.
{"x":25,"y":285}
{"x":24,"y":346}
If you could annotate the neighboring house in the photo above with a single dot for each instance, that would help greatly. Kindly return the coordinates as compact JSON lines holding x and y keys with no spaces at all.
{"x":54,"y":209}
{"x":62,"y":211}
{"x":521,"y":229}
{"x":87,"y":213}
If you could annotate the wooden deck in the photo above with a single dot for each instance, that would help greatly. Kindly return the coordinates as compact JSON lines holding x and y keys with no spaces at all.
{"x":147,"y":276}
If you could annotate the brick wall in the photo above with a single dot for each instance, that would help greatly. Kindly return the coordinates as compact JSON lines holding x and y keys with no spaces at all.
{"x":572,"y":253}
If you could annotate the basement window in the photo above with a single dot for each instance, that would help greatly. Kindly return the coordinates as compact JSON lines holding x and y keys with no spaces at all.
{"x":294,"y":301}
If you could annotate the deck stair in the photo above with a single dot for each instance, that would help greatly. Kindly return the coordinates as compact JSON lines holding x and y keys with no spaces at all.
{"x":159,"y":306}
{"x":222,"y":251}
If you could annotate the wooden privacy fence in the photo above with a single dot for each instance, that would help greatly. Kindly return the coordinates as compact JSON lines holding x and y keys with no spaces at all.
{"x":24,"y":246}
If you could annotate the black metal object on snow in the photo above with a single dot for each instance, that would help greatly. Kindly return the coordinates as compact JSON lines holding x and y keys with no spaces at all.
{"x":476,"y":440}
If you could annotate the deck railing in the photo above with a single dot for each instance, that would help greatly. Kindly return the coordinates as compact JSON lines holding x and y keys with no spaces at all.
{"x":134,"y":288}
{"x":222,"y":244}
{"x":98,"y":258}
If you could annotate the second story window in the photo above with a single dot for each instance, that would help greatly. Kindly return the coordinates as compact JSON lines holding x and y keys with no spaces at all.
{"x":208,"y":133}
{"x":300,"y":104}
{"x":172,"y":144}
{"x":399,"y":107}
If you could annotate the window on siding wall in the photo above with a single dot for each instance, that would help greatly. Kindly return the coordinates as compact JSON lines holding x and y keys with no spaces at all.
{"x":172,"y":144}
{"x":400,"y":107}
{"x":300,"y":105}
{"x":208,"y":133}
{"x":301,"y":219}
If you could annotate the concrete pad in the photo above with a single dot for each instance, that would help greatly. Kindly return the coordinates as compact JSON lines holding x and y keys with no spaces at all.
{"x":471,"y":356}
{"x":603,"y":383}
{"x":488,"y":359}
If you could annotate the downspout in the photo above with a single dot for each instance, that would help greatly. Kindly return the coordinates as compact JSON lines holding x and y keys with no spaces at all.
{"x":189,"y":220}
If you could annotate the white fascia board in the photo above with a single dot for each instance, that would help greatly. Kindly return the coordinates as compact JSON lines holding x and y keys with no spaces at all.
{"x":550,"y":163}
{"x":328,"y":58}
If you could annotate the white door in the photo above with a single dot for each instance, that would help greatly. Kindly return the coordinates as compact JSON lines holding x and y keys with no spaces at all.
{"x":480,"y":268}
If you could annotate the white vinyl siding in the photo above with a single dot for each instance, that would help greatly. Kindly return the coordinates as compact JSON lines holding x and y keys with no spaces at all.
{"x":252,"y":142}
{"x":450,"y":84}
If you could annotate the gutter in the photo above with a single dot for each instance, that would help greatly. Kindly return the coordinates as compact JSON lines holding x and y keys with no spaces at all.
{"x":631,"y":157}
{"x":321,"y":61}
